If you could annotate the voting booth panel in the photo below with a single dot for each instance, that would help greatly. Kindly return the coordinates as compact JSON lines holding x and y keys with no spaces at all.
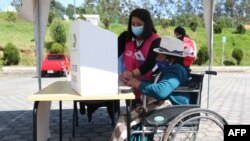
{"x":93,"y":59}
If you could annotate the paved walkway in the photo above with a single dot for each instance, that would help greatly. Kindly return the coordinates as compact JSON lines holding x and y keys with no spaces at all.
{"x":229,"y":96}
{"x":14,"y":69}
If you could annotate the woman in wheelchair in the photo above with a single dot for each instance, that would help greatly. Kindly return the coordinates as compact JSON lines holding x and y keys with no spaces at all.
{"x":172,"y":74}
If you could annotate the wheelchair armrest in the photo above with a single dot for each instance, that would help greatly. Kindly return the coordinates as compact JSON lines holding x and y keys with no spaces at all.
{"x":161,"y":117}
{"x":186,"y":89}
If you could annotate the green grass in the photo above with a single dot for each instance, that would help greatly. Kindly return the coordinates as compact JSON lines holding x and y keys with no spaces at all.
{"x":232,"y":41}
{"x":21,"y":34}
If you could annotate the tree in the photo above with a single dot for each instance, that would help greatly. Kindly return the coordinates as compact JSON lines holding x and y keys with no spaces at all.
{"x":51,"y":17}
{"x":90,"y":6}
{"x":242,"y":10}
{"x":229,"y":7}
{"x":246,"y":8}
{"x":58,"y":32}
{"x":58,"y":35}
{"x":108,"y":9}
{"x":146,"y":4}
{"x":70,"y":11}
{"x":219,"y":10}
{"x":157,"y":9}
{"x":17,"y":4}
{"x":57,"y":8}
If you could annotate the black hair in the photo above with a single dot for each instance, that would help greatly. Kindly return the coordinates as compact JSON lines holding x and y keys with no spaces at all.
{"x":143,"y":15}
{"x":122,"y":38}
{"x":178,"y":60}
{"x":181,"y":31}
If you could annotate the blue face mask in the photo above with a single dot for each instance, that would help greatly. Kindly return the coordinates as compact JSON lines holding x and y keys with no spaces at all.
{"x":137,"y":30}
{"x":162,"y":65}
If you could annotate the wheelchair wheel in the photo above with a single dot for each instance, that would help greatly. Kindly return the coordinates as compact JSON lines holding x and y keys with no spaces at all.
{"x":196,"y":125}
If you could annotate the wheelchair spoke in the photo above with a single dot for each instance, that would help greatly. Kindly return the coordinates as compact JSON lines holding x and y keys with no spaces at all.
{"x":196,"y":125}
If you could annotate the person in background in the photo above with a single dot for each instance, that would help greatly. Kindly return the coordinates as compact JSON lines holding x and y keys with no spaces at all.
{"x":136,"y":45}
{"x":174,"y":74}
{"x":189,"y":45}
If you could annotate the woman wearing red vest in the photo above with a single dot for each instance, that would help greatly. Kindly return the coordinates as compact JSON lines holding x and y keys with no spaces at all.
{"x":189,"y":45}
{"x":136,"y":46}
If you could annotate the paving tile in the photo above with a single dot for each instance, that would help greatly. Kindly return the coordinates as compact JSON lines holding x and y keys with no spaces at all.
{"x":229,"y":96}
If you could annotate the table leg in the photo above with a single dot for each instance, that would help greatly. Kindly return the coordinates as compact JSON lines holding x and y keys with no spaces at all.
{"x":41,"y":116}
{"x":60,"y":120}
{"x":35,"y":120}
{"x":128,"y":109}
{"x":76,"y":114}
{"x":113,"y":115}
{"x":74,"y":118}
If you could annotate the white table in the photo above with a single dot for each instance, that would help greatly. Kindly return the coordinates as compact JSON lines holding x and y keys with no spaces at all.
{"x":60,"y":91}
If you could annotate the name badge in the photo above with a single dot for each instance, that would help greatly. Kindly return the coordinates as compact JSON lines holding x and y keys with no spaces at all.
{"x":139,"y":56}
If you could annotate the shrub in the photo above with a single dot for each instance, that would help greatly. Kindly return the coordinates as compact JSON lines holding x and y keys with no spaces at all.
{"x":106,"y":23}
{"x":165,"y":23}
{"x":202,"y":56}
{"x":1,"y":62}
{"x":228,"y":63}
{"x":193,"y":26}
{"x":225,"y":22}
{"x":58,"y":32}
{"x":48,"y":45}
{"x":82,"y":17}
{"x":56,"y":48}
{"x":11,"y":55}
{"x":217,"y":28}
{"x":11,"y":17}
{"x":237,"y":55}
{"x":240,"y":29}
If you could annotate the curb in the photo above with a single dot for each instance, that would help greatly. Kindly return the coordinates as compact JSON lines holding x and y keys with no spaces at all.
{"x":25,"y":70}
{"x":18,"y":70}
{"x":244,"y":69}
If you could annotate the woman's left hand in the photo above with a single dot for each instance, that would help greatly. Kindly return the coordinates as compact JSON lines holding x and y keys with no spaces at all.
{"x":134,"y":82}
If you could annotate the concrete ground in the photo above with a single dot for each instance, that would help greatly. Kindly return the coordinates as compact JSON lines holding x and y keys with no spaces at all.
{"x":228,"y":96}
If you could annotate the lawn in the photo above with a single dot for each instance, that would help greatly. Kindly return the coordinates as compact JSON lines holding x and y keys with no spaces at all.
{"x":21,"y":33}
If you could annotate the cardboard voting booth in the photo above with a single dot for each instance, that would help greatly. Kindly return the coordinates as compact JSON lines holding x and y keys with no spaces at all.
{"x":93,"y":59}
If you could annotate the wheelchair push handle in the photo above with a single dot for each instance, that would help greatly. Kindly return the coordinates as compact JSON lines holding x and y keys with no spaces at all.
{"x":211,"y":72}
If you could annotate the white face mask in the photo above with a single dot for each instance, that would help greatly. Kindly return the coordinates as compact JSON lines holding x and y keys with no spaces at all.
{"x":178,"y":36}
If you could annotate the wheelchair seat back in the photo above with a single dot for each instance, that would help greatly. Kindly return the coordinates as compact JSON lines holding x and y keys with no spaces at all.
{"x":196,"y":83}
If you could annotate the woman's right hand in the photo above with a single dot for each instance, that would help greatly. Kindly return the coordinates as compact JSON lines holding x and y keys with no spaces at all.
{"x":125,"y":76}
{"x":123,"y":79}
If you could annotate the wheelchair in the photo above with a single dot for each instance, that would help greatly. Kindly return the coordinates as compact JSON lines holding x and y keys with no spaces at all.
{"x":181,"y":122}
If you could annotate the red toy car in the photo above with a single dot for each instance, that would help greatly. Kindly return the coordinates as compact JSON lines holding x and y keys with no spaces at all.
{"x":55,"y":64}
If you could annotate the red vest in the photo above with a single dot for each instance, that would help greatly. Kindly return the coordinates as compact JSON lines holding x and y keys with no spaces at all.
{"x":130,"y":61}
{"x":189,"y":51}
